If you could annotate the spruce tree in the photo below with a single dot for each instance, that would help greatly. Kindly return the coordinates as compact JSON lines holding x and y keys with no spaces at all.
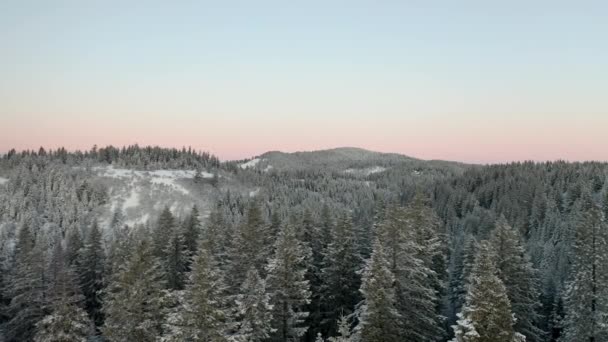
{"x":486,"y":316}
{"x":288,"y":287}
{"x":415,"y":282}
{"x":91,"y":273}
{"x":74,"y":245}
{"x":344,"y":331}
{"x":213,"y":237}
{"x":587,"y":291}
{"x":341,"y":283}
{"x":176,"y":260}
{"x":251,"y":246}
{"x":379,"y":320}
{"x":26,"y":288}
{"x":67,"y":320}
{"x":520,"y":279}
{"x":135,"y":301}
{"x":253,"y":309}
{"x":192,"y":230}
{"x":462,"y":261}
{"x":164,"y":227}
{"x":310,"y":235}
{"x":203,"y":314}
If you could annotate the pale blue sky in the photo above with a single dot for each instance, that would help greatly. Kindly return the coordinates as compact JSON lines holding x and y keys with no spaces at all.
{"x":248,"y":69}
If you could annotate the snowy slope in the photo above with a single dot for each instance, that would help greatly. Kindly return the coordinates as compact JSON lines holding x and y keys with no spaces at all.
{"x":140,"y":195}
{"x":250,"y":164}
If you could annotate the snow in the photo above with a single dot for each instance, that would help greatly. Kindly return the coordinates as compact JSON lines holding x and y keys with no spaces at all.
{"x":3,"y":180}
{"x":166,"y":178}
{"x":268,"y":168}
{"x":366,"y":172}
{"x":131,"y":201}
{"x":111,"y":172}
{"x":250,"y":164}
{"x":254,"y":192}
{"x":170,"y":182}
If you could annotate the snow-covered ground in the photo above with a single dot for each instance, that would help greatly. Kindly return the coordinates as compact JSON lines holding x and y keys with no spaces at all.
{"x":366,"y":172}
{"x":161,"y":177}
{"x":250,"y":164}
{"x":141,"y":194}
{"x":3,"y":180}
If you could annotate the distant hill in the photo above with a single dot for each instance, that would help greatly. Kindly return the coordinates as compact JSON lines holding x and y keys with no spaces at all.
{"x":344,"y":159}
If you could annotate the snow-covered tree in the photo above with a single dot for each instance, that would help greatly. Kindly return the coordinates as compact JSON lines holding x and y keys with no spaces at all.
{"x":192,"y":230}
{"x":486,"y":316}
{"x":341,"y":283}
{"x":345,"y":333}
{"x":520,"y":279}
{"x":379,"y":320}
{"x":74,"y":245}
{"x":587,"y":292}
{"x":461,"y":263}
{"x":176,"y":260}
{"x":164,"y":226}
{"x":67,"y":320}
{"x":415,"y":281}
{"x":26,"y":288}
{"x":91,"y":270}
{"x":251,"y":246}
{"x":135,"y":301}
{"x":202,"y":314}
{"x":289,"y":290}
{"x":253,"y":309}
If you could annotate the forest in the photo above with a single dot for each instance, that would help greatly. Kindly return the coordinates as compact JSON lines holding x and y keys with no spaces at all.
{"x":337,"y":245}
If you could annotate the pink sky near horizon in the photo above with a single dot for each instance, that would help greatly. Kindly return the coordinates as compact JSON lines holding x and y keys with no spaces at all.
{"x":471,"y":140}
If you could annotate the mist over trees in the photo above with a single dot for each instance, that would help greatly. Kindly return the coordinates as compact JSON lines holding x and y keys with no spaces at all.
{"x":337,"y":245}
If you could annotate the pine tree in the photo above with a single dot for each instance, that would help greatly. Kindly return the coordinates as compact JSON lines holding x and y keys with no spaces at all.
{"x":379,"y":320}
{"x":587,"y":292}
{"x":287,"y":286}
{"x":341,"y":283}
{"x":91,"y":274}
{"x":202,"y":315}
{"x":486,"y":316}
{"x":67,"y":320}
{"x":253,"y":309}
{"x":26,"y":288}
{"x":520,"y":279}
{"x":135,"y":302}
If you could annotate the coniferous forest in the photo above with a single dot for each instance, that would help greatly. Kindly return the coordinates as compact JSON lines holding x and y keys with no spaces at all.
{"x":335,"y":245}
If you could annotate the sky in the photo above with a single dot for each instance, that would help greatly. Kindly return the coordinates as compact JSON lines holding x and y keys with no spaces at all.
{"x":472,"y":81}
